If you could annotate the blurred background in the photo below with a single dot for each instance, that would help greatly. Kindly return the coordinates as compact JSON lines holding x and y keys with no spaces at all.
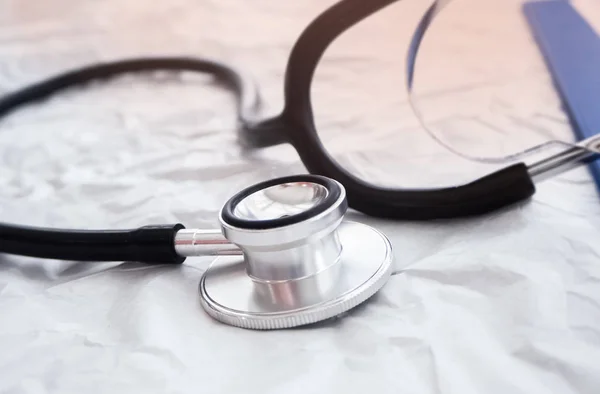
{"x":481,"y":86}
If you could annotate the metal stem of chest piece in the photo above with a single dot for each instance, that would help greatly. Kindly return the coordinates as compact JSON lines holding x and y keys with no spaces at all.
{"x":200,"y":242}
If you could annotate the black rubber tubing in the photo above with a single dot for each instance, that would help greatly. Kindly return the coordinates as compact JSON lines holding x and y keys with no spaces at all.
{"x":499,"y":189}
{"x":80,"y":76}
{"x":148,"y":244}
{"x":494,"y":191}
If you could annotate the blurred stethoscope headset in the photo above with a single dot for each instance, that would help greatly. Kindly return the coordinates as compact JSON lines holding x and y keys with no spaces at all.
{"x":287,"y":258}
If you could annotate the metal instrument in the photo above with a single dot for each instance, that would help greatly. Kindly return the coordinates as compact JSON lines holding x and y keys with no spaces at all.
{"x":287,"y":256}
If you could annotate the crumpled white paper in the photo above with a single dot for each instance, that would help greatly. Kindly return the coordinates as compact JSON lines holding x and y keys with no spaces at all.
{"x":506,"y":303}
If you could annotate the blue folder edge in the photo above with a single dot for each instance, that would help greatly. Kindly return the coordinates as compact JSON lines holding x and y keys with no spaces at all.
{"x":571,"y":49}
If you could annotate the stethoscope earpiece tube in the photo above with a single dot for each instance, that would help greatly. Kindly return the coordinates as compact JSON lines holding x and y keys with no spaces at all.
{"x":246,"y":95}
{"x":148,"y":244}
{"x":502,"y":188}
{"x":172,"y":243}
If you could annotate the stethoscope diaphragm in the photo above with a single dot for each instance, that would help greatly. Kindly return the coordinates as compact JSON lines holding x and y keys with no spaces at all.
{"x":301,"y":262}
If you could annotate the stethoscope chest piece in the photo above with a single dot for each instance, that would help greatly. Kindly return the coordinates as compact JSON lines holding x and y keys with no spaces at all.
{"x":301,"y":262}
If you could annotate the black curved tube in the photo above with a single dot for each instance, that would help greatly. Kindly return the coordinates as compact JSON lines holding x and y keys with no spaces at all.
{"x":484,"y":195}
{"x":499,"y":189}
{"x":294,"y":125}
{"x":229,"y":77}
{"x":149,"y":244}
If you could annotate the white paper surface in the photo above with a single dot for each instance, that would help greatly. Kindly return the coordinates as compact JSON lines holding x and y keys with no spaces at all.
{"x":507,"y":303}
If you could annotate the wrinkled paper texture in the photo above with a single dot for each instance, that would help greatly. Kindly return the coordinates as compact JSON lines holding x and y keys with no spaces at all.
{"x":506,"y":303}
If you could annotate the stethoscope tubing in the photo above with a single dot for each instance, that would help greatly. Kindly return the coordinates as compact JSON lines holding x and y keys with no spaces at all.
{"x":158,"y":243}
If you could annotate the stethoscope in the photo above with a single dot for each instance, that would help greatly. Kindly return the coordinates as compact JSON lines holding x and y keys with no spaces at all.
{"x":285,"y":256}
{"x":301,"y":262}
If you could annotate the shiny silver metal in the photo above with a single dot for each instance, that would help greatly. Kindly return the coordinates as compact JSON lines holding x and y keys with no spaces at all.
{"x":585,"y":150}
{"x":290,"y":251}
{"x":305,"y":296}
{"x":197,"y":242}
{"x":281,"y":200}
{"x":294,"y":272}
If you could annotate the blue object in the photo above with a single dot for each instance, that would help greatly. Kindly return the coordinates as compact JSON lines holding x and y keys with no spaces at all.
{"x":571,"y":49}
